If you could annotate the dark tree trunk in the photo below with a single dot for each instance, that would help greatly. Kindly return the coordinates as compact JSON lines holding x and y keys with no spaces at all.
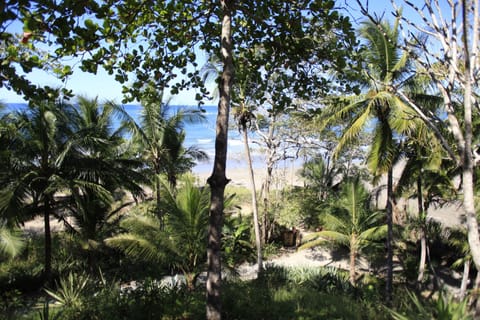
{"x":158,"y":199}
{"x":218,"y":180}
{"x":389,"y":212}
{"x":48,"y":242}
{"x":353,"y":258}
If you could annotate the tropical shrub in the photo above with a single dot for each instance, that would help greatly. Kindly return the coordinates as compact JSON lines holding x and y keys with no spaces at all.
{"x":181,"y":243}
{"x":351,"y":223}
{"x":237,"y":245}
{"x":443,"y":307}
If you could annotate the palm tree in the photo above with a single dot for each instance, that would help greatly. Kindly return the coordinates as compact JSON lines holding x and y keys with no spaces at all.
{"x":243,"y":114}
{"x":378,"y":106}
{"x":428,"y":177}
{"x":54,"y":156}
{"x":103,"y":150}
{"x":322,"y":175}
{"x":177,"y":158}
{"x":159,"y":140}
{"x":350,"y":223}
{"x":36,"y":166}
{"x":244,"y":117}
{"x":183,"y":242}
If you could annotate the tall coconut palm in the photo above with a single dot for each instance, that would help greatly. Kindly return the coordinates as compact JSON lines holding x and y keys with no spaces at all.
{"x":426,"y":169}
{"x":244,"y":117}
{"x":36,"y":166}
{"x":103,"y":151}
{"x":159,"y":139}
{"x":243,"y":113}
{"x":51,"y":158}
{"x":428,"y":177}
{"x":379,"y":109}
{"x":351,"y":223}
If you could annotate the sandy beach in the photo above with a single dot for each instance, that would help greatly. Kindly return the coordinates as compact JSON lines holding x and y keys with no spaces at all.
{"x":288,"y":175}
{"x":238,"y":173}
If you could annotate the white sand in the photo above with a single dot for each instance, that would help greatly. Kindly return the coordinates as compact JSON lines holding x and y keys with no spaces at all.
{"x":240,"y":176}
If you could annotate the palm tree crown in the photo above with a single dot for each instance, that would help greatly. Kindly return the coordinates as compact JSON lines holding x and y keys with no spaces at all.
{"x":350,"y":223}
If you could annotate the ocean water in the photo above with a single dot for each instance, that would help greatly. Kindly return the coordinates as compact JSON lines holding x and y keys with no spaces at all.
{"x":202,"y":135}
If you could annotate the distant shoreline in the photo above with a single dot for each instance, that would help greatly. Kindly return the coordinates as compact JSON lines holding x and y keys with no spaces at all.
{"x":237,"y":172}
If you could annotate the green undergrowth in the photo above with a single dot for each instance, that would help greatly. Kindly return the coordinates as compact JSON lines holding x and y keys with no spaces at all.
{"x":321,"y":293}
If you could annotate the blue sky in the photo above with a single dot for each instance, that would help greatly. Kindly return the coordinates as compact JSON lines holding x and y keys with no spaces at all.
{"x":101,"y":85}
{"x":105,"y":87}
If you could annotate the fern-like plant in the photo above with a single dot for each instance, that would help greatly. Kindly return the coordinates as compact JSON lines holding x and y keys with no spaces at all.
{"x":11,"y":241}
{"x":182,"y":242}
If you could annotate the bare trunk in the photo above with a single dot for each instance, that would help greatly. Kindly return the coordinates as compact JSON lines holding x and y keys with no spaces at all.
{"x":423,"y":239}
{"x":258,"y":236}
{"x":423,"y":256}
{"x":389,"y":212}
{"x":268,"y":182}
{"x":353,"y":257}
{"x":48,"y":241}
{"x":467,"y":175}
{"x":158,"y":199}
{"x":465,"y":277}
{"x":218,"y":180}
{"x":266,"y":204}
{"x":474,"y":300}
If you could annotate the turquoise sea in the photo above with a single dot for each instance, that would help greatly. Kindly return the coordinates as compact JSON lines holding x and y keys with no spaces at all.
{"x":202,"y":135}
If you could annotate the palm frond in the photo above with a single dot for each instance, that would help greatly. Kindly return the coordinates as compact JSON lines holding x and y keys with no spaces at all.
{"x":135,"y":246}
{"x":353,"y":131}
{"x":382,"y":152}
{"x":373,"y":234}
{"x":313,"y":244}
{"x":335,"y":222}
{"x":11,"y":241}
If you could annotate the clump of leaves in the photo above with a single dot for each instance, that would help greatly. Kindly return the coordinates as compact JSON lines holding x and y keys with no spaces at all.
{"x":70,"y":290}
{"x":444,"y":307}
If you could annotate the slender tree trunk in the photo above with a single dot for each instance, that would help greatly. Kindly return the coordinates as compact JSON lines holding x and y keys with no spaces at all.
{"x":158,"y":199}
{"x":423,"y":256}
{"x":423,"y":239}
{"x":48,"y":241}
{"x":266,"y":204}
{"x":389,"y":212}
{"x":258,"y":236}
{"x":353,"y":257}
{"x":268,"y":180}
{"x":474,"y":299}
{"x":218,"y":180}
{"x":465,"y":277}
{"x":467,"y":174}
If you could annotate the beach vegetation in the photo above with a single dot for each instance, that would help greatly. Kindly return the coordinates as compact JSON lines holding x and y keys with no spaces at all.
{"x":350,"y":222}
{"x":182,"y":246}
{"x":101,"y":216}
{"x":158,"y":139}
